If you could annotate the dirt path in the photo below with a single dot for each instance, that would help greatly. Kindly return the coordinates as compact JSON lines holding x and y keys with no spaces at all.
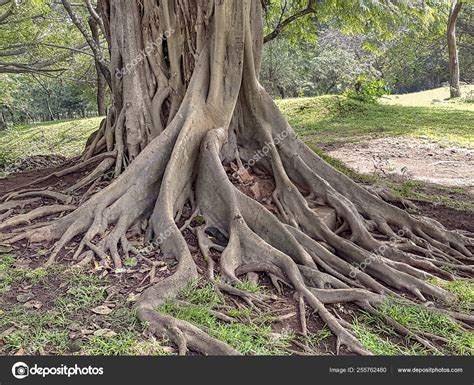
{"x":420,"y":159}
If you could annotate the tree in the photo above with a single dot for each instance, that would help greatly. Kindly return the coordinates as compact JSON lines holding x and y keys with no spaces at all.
{"x":330,"y":65}
{"x":188,"y":110}
{"x":465,"y":31}
{"x":32,"y":40}
{"x":36,"y":38}
{"x":454,"y":85}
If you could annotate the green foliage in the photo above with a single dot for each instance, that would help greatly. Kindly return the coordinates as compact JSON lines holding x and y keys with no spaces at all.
{"x":401,"y":42}
{"x":329,"y":65}
{"x":379,"y":18}
{"x":27,"y":34}
{"x":39,"y":75}
{"x":367,"y":90}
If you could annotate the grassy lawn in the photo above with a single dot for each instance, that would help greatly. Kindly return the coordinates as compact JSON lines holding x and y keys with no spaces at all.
{"x":318,"y":120}
{"x":333,"y":119}
{"x":431,"y":98}
{"x":66,"y":138}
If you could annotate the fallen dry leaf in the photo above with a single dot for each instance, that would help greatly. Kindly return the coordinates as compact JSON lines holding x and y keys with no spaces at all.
{"x":21,"y":264}
{"x":24,"y":297}
{"x":34,"y":304}
{"x":7,"y":332}
{"x":132,"y":297}
{"x":102,"y":310}
{"x":256,"y":191}
{"x":105,"y":333}
{"x":20,"y":352}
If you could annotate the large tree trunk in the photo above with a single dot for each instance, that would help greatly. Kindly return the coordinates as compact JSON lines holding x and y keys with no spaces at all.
{"x":455,"y":87}
{"x":187,"y":108}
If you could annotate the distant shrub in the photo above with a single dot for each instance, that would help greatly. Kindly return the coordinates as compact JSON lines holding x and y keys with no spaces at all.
{"x":367,"y":89}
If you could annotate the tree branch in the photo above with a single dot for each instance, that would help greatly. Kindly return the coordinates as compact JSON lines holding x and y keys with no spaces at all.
{"x":95,"y":48}
{"x":310,"y":8}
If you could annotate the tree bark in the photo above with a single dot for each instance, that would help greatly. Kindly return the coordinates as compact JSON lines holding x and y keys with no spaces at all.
{"x":3,"y":122}
{"x":454,"y":81}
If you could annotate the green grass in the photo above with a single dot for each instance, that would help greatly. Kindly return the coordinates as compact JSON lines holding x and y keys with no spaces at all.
{"x":251,"y":335}
{"x":124,"y":344}
{"x":66,"y":138}
{"x":314,"y":340}
{"x":9,"y":275}
{"x":250,"y":287}
{"x":329,"y":119}
{"x":380,"y":339}
{"x":412,"y":189}
{"x":199,"y":292}
{"x":323,"y":119}
{"x":71,"y":294}
{"x":317,"y":120}
{"x":463,"y":289}
{"x":425,"y":99}
{"x":377,"y":341}
{"x":418,"y":317}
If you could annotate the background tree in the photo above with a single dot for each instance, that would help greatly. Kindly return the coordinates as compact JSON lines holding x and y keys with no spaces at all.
{"x":329,"y":65}
{"x":455,"y":87}
{"x":37,"y":39}
{"x":402,"y":45}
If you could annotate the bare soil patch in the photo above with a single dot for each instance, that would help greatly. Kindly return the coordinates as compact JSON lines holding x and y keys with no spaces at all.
{"x":419,"y":159}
